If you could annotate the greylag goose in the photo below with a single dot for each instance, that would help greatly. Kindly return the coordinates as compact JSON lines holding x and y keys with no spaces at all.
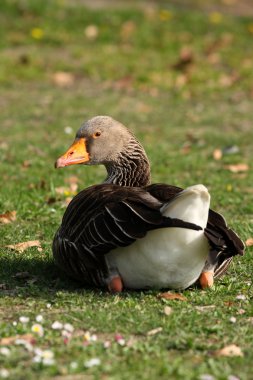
{"x":128,"y":233}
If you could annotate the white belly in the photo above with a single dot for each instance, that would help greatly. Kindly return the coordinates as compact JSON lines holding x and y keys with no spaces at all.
{"x":170,"y":257}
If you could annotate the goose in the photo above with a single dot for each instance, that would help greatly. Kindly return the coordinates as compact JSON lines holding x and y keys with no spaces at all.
{"x":129,"y":233}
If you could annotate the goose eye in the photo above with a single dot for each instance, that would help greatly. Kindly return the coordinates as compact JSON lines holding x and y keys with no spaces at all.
{"x":96,"y":134}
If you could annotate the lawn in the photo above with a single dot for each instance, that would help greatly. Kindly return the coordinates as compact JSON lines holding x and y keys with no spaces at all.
{"x":181,"y":79}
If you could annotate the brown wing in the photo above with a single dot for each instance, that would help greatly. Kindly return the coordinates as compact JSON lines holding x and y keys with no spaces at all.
{"x":102,"y":218}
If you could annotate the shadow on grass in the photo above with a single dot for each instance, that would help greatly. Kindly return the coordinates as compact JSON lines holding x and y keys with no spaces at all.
{"x":33,"y":277}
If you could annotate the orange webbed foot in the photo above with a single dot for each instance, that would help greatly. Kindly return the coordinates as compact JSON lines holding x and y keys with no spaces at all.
{"x":115,"y":285}
{"x":206,"y":280}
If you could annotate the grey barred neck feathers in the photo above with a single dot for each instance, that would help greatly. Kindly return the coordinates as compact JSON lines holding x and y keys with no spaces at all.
{"x":132,"y":167}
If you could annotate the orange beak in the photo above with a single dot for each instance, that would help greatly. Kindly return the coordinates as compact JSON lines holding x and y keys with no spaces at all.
{"x":76,"y":154}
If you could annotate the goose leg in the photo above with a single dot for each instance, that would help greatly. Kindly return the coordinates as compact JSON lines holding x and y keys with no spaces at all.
{"x":113,"y":281}
{"x":206,"y":279}
{"x":115,"y":284}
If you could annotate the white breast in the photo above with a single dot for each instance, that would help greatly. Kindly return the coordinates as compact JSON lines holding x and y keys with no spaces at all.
{"x":170,"y":257}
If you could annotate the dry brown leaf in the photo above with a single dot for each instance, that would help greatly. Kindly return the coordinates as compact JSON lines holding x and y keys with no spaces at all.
{"x":67,"y":201}
{"x":8,"y":217}
{"x":172,"y":296}
{"x":185,"y":59}
{"x":154,"y":331}
{"x":167,"y":310}
{"x":217,"y":154}
{"x":229,"y":303}
{"x":237,"y":168}
{"x":91,"y":32}
{"x":21,"y":247}
{"x":127,"y":30}
{"x":11,"y":339}
{"x":63,"y":79}
{"x":230,"y":350}
{"x":72,"y":179}
{"x":26,"y":164}
{"x":249,"y":242}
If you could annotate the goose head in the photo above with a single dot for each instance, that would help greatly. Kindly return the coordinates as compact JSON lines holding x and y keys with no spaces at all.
{"x":103,"y":140}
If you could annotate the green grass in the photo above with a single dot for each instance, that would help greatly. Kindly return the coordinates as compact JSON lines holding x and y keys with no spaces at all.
{"x":127,"y":72}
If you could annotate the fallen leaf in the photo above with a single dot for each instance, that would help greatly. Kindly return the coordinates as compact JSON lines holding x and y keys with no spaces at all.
{"x":237,"y":168}
{"x":249,"y":242}
{"x":124,"y":83}
{"x":230,"y":350}
{"x":91,"y":32}
{"x":67,"y":201}
{"x":11,"y":339}
{"x":63,"y":79}
{"x":217,"y":154}
{"x":167,"y":310}
{"x":172,"y":296}
{"x":8,"y":217}
{"x":154,"y":331}
{"x":185,"y":59}
{"x":229,"y":303}
{"x":26,"y":164}
{"x":21,"y":247}
{"x":71,"y":179}
{"x":127,"y":30}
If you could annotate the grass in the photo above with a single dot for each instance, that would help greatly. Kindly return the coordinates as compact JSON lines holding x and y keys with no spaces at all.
{"x":130,"y":69}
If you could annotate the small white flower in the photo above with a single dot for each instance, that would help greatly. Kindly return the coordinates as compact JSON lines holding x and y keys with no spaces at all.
{"x":120,"y":340}
{"x":24,"y":319}
{"x":241,"y":297}
{"x":39,"y":318}
{"x":93,"y":338}
{"x":87,"y":336}
{"x":107,"y":344}
{"x":45,"y":357}
{"x":47,"y":354}
{"x":14,"y":323}
{"x":22,"y":342}
{"x":49,"y":305}
{"x":68,"y":130}
{"x":66,"y":334}
{"x":38,"y":351}
{"x":37,"y":359}
{"x":5,"y":351}
{"x":57,"y":325}
{"x":68,"y":327}
{"x":38,"y":329}
{"x":73,"y":365}
{"x":4,"y":373}
{"x":206,"y":377}
{"x":92,"y":362}
{"x":232,"y":319}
